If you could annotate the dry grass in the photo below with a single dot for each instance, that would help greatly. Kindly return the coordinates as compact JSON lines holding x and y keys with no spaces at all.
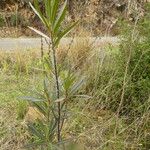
{"x":18,"y":61}
{"x":13,"y":134}
{"x":90,"y":124}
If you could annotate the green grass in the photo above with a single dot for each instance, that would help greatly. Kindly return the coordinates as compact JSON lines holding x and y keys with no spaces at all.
{"x":11,"y":129}
{"x":117,"y":80}
{"x":89,"y":123}
{"x":93,"y":123}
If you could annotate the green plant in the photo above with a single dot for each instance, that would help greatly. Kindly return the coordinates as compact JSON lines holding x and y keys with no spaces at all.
{"x":134,"y":55}
{"x":121,"y":79}
{"x":126,"y":82}
{"x":59,"y":85}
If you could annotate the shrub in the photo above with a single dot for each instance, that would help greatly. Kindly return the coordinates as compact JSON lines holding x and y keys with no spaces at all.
{"x":59,"y":85}
{"x":134,"y":57}
{"x":119,"y":78}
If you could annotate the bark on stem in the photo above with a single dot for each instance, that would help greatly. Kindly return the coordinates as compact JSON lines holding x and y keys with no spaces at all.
{"x":57,"y":91}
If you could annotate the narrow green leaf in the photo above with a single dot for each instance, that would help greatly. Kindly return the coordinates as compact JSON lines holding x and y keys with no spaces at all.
{"x":77,"y":86}
{"x":65,"y":32}
{"x":32,"y":99}
{"x":36,"y":132}
{"x":46,"y":89}
{"x":52,"y":127}
{"x":60,"y":17}
{"x":38,"y":94}
{"x":48,"y":64}
{"x":41,"y":108}
{"x":54,"y":10}
{"x":68,"y":81}
{"x":37,"y":10}
{"x":48,"y":9}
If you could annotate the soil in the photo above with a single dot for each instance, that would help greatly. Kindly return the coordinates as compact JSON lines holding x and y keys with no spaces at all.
{"x":98,"y":16}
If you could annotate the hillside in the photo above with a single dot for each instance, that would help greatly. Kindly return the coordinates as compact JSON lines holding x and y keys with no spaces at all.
{"x":70,"y":90}
{"x":97,"y":16}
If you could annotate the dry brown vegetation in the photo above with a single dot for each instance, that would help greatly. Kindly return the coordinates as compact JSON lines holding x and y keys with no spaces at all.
{"x":116,"y":114}
{"x":90,"y":123}
{"x":98,"y":16}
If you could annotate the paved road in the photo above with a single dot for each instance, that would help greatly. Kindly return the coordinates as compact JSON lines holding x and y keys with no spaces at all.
{"x":35,"y":43}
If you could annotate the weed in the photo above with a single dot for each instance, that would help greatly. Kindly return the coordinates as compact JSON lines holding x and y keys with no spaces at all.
{"x":58,"y":86}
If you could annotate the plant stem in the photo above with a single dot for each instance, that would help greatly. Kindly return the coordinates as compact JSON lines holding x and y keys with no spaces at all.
{"x":57,"y":91}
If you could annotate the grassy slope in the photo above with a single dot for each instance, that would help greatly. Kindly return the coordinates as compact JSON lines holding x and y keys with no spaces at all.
{"x":89,"y":127}
{"x":91,"y":124}
{"x":11,"y":136}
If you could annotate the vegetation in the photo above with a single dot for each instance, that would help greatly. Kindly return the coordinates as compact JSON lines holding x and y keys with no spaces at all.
{"x":104,"y":92}
{"x":59,"y":86}
{"x":98,"y":17}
